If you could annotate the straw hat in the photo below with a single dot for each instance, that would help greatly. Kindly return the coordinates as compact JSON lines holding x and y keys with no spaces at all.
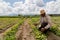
{"x":42,"y":11}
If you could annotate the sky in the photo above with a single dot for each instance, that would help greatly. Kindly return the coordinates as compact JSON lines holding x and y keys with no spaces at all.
{"x":29,"y":7}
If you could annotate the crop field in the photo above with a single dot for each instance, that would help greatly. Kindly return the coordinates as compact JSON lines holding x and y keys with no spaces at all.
{"x":55,"y":27}
{"x":5,"y":22}
{"x":10,"y":26}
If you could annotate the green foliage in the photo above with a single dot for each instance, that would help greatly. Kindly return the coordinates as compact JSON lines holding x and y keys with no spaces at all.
{"x":37,"y":33}
{"x":10,"y":34}
{"x":55,"y":30}
{"x":4,"y":22}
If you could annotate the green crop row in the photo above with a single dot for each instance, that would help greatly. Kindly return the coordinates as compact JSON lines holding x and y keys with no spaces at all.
{"x":37,"y":33}
{"x":4,"y":22}
{"x":55,"y":30}
{"x":10,"y":34}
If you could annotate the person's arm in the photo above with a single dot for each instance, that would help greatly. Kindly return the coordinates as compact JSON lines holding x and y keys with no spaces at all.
{"x":49,"y":22}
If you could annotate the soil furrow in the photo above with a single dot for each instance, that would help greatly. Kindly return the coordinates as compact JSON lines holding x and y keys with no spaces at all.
{"x":25,"y":32}
{"x":4,"y":29}
{"x":52,"y":36}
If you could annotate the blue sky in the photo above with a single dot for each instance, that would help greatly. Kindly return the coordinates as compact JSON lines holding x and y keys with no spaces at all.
{"x":48,"y":0}
{"x":12,"y":1}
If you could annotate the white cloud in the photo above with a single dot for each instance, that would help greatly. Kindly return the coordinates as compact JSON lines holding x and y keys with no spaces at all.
{"x":1,"y":0}
{"x":30,"y":7}
{"x":50,"y":7}
{"x":5,"y":8}
{"x":37,"y":2}
{"x":53,"y":7}
{"x":40,"y":3}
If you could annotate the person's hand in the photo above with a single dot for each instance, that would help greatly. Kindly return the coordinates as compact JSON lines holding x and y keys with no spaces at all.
{"x":42,"y":29}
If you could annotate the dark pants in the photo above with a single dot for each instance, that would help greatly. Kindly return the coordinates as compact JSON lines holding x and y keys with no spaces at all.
{"x":42,"y":26}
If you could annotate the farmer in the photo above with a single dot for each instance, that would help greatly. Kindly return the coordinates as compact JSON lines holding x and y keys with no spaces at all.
{"x":45,"y":22}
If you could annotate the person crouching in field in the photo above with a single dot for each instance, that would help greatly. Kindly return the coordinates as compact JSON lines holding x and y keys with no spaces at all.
{"x":45,"y":22}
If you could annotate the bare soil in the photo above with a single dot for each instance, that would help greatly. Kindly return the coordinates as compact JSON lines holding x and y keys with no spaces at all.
{"x":52,"y":36}
{"x":25,"y":32}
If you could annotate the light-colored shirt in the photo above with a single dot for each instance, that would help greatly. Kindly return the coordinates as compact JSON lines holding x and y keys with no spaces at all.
{"x":47,"y":19}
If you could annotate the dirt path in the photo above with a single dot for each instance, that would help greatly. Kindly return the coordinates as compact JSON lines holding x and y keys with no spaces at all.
{"x":52,"y":36}
{"x":25,"y":32}
{"x":1,"y":37}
